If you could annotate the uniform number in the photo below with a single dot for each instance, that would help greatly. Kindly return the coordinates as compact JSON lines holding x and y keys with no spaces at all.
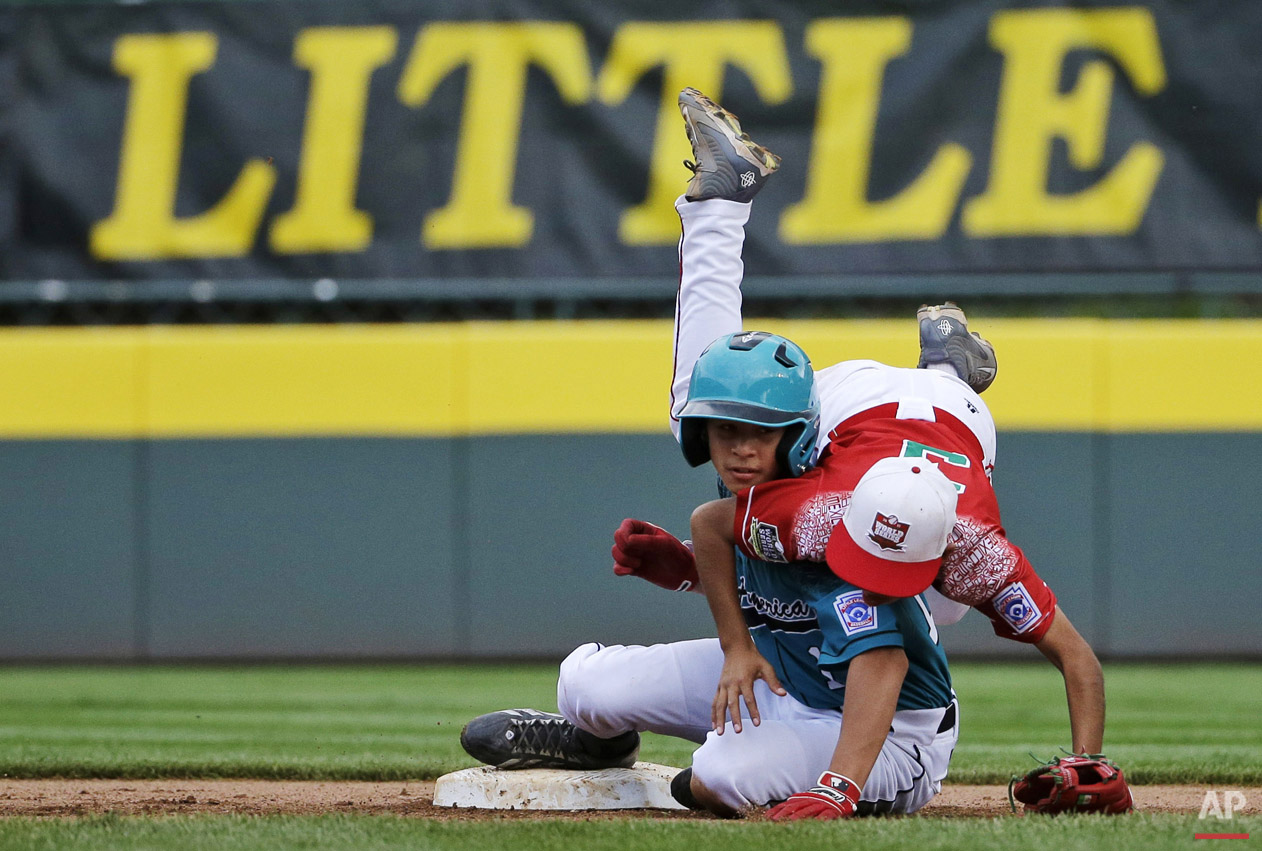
{"x":912,"y":449}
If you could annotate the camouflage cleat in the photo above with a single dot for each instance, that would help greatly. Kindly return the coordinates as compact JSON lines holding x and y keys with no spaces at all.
{"x":528,"y":738}
{"x":729,"y":164}
{"x":945,"y":338}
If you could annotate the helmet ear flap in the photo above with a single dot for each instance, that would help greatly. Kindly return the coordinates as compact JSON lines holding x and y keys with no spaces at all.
{"x":794,"y":453}
{"x":694,"y":441}
{"x":784,"y":450}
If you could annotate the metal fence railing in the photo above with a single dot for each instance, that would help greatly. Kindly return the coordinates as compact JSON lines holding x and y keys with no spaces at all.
{"x":258,"y":301}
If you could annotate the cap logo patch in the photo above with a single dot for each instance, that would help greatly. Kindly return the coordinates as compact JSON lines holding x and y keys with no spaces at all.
{"x":855,"y":615}
{"x":764,"y":540}
{"x":1015,"y":605}
{"x":887,"y":533}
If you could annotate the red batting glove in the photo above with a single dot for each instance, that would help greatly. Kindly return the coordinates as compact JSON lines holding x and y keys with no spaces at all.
{"x":834,"y":796}
{"x":650,"y":552}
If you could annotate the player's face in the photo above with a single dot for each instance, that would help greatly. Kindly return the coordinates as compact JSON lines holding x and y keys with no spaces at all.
{"x":743,"y":454}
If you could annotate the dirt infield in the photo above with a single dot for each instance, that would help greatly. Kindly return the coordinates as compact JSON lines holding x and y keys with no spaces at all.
{"x":60,"y":798}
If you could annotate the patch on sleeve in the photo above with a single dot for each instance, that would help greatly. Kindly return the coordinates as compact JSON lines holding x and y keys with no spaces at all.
{"x":1015,"y":605}
{"x":764,"y":541}
{"x":855,"y":615}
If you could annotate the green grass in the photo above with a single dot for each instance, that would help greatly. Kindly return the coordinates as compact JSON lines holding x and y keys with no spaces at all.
{"x":1186,"y":723}
{"x":368,"y":833}
{"x":1178,"y":723}
{"x":1174,"y":724}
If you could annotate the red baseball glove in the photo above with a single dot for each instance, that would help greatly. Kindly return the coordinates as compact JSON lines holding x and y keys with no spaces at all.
{"x":1082,"y":783}
{"x":650,"y":552}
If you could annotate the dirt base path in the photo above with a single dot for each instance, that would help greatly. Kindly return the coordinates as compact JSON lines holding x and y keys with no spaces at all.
{"x":59,"y":798}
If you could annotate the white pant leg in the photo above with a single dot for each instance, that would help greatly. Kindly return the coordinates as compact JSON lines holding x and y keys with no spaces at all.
{"x":784,"y":754}
{"x":665,"y":688}
{"x":708,"y":304}
{"x":794,"y":745}
{"x":669,"y":689}
{"x":912,"y":764}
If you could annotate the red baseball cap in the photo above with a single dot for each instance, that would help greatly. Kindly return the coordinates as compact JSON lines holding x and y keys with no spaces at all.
{"x":891,"y":539}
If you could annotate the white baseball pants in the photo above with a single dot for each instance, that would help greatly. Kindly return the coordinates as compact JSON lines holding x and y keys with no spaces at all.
{"x":668,"y":689}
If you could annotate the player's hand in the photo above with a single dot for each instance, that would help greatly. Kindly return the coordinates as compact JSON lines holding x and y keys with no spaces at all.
{"x":834,"y":796}
{"x":650,"y":552}
{"x":741,"y":668}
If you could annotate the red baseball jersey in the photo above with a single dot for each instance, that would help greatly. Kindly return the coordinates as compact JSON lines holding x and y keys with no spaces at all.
{"x":792,"y":519}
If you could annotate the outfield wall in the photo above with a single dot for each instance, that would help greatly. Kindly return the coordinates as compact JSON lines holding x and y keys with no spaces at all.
{"x":450,"y":490}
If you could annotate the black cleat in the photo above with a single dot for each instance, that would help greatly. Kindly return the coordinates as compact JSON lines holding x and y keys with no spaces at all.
{"x":945,"y":338}
{"x":729,"y":164}
{"x":528,"y":738}
{"x":681,"y":790}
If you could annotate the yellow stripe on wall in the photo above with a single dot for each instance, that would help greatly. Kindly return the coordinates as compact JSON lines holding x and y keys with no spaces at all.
{"x":558,"y":377}
{"x":539,"y":377}
{"x":1182,"y":377}
{"x":70,"y":382}
{"x":303,"y":380}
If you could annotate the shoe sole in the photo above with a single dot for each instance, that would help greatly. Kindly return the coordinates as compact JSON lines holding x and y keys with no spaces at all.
{"x":937,"y":311}
{"x":981,"y":375}
{"x":956,"y":314}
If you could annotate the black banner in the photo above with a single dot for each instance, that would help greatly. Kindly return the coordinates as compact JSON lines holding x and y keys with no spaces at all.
{"x":540,"y":138}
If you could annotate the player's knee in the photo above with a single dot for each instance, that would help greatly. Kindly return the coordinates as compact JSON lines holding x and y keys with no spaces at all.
{"x":588,"y":693}
{"x":731,"y":773}
{"x":572,"y":681}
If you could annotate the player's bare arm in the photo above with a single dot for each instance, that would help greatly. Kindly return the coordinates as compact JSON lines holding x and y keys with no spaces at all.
{"x":713,"y":544}
{"x":873,"y":682}
{"x":872,"y":686}
{"x":1084,"y":682}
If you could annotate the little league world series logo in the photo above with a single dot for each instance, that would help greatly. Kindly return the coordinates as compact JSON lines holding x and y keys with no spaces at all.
{"x":764,"y":540}
{"x":887,"y":533}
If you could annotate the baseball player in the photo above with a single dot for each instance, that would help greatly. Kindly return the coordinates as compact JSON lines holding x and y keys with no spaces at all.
{"x":854,"y":712}
{"x":801,"y":472}
{"x":856,"y":715}
{"x":868,"y":411}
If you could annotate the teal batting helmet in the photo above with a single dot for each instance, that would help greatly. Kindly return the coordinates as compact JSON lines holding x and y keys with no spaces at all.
{"x":759,"y":378}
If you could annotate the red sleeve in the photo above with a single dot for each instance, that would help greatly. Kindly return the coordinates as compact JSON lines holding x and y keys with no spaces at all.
{"x":788,"y":520}
{"x":764,"y":522}
{"x":1023,"y":608}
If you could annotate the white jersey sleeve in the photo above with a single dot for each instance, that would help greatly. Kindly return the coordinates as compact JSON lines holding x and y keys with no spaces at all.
{"x":945,"y":611}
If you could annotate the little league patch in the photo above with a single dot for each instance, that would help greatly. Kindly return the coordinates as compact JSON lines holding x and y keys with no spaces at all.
{"x":1017,"y":607}
{"x":855,"y":615}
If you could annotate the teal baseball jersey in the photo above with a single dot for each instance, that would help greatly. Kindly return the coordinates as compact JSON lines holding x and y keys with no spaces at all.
{"x":809,"y":624}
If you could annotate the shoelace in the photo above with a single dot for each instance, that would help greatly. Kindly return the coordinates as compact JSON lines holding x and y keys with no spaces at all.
{"x":545,"y":736}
